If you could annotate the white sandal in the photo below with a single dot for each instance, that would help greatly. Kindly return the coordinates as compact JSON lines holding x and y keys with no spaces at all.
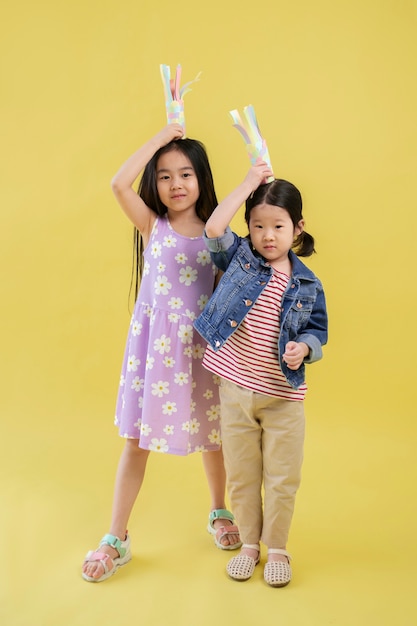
{"x":242,"y":566}
{"x":122,"y":547}
{"x":278,"y":573}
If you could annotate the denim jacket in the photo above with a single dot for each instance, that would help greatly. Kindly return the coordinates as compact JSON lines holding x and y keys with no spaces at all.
{"x":303,"y":306}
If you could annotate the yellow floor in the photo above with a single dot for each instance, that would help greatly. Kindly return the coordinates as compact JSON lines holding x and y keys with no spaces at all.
{"x":352,"y":539}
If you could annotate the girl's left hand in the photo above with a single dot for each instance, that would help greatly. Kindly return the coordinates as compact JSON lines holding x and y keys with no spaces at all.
{"x":295,"y":353}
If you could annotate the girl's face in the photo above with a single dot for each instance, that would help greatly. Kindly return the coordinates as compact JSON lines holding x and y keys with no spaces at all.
{"x":272,"y":232}
{"x":176,"y":182}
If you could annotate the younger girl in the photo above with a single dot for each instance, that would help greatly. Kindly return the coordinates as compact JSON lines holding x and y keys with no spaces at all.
{"x":265,"y":320}
{"x":167,"y":401}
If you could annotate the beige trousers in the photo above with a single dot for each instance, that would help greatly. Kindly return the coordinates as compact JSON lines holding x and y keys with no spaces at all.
{"x":263,"y":439}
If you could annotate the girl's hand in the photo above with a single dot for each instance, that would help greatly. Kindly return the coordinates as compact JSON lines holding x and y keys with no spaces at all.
{"x":169,"y":133}
{"x":295,"y":353}
{"x":258,"y":174}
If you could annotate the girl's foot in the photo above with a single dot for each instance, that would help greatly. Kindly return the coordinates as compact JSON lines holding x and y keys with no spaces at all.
{"x":277,"y":571}
{"x":226,"y":533}
{"x":111,"y":554}
{"x":242,"y":566}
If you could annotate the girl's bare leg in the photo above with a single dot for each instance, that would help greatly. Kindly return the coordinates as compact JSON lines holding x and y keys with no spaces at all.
{"x":129,"y":479}
{"x":216,"y":478}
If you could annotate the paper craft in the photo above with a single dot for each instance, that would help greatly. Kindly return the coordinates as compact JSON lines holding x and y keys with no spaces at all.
{"x":174,"y":95}
{"x":249,"y":129}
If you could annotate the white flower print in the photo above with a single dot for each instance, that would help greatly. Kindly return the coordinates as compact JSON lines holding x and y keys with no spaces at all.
{"x":137,"y":383}
{"x":175,"y":303}
{"x":203,"y":257}
{"x":190,"y":314}
{"x":194,"y":426}
{"x":146,"y":268}
{"x":193,"y":406}
{"x":122,"y":380}
{"x":214,"y":437}
{"x":150,"y":362}
{"x":208,"y":394}
{"x":161,"y":267}
{"x":186,"y":426}
{"x":185,"y":333}
{"x":181,"y":378}
{"x":140,"y":402}
{"x":174,"y":317}
{"x":181,"y":258}
{"x":162,"y":285}
{"x":216,"y":379}
{"x":148,"y":311}
{"x":169,"y":430}
{"x":160,"y":388}
{"x":116,"y":421}
{"x":162,"y":344}
{"x":169,"y":361}
{"x":202,"y":301}
{"x":188,"y":275}
{"x":198,"y":351}
{"x":132,"y":363}
{"x":170,"y":241}
{"x":156,"y":249}
{"x":146,"y":430}
{"x":136,"y":328}
{"x":213,"y":413}
{"x":159,"y":445}
{"x":169,"y":408}
{"x":199,"y":449}
{"x":188,"y":351}
{"x":138,"y":424}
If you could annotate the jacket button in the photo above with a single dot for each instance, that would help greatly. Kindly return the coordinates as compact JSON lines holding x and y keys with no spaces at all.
{"x":233,"y":323}
{"x":217,"y":344}
{"x":299,"y":305}
{"x":263,"y":282}
{"x":248,"y":302}
{"x":247,"y":266}
{"x":292,"y":286}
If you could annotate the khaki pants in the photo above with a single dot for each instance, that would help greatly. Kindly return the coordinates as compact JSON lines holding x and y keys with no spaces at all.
{"x":263,"y":439}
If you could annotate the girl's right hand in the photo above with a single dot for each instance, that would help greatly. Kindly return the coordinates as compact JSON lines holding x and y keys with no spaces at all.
{"x":258,"y":174}
{"x":169,"y":133}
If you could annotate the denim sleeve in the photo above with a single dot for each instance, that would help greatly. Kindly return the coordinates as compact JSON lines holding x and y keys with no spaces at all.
{"x":223,"y":248}
{"x":315,"y":334}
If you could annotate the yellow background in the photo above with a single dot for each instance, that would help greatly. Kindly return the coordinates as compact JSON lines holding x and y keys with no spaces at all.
{"x":334,"y":88}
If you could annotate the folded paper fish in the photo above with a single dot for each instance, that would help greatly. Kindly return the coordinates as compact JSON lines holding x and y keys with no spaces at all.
{"x":249,"y":129}
{"x":174,"y":95}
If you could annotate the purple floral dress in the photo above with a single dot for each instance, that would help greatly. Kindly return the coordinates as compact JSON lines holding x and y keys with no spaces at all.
{"x":166,"y":398}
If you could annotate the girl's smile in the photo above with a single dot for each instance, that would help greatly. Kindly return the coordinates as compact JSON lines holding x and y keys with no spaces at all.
{"x":177,"y":182}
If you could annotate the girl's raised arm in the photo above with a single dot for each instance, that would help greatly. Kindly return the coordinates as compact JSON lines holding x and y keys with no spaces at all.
{"x":226,"y":210}
{"x":122,"y":183}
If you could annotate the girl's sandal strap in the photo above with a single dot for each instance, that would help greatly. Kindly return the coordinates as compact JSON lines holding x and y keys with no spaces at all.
{"x":116,"y":543}
{"x":280,"y":551}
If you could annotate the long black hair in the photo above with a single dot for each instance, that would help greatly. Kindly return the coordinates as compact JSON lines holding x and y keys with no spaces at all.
{"x":195,"y":151}
{"x":283,"y":194}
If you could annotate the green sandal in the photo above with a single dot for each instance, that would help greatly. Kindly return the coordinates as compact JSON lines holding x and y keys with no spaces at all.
{"x":122,"y":547}
{"x":223,"y":531}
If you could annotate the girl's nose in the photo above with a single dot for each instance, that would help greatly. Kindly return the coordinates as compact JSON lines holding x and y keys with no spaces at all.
{"x":175,"y":183}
